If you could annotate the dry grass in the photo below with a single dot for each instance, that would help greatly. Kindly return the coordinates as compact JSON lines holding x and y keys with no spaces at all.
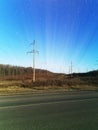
{"x":70,"y":84}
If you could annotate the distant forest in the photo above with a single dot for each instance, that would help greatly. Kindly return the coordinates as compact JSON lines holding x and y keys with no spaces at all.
{"x":10,"y":72}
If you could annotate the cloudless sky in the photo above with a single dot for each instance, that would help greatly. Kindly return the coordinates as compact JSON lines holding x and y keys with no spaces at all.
{"x":64,"y":31}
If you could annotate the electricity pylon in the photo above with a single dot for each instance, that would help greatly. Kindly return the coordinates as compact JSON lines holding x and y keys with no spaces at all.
{"x":34,"y":56}
{"x":71,"y":69}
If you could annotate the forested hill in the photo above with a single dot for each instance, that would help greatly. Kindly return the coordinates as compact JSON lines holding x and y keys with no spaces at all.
{"x":16,"y":72}
{"x":10,"y":72}
{"x":93,"y":73}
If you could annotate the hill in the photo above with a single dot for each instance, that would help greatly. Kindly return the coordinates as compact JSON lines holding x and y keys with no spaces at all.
{"x":21,"y":77}
{"x":9,"y":72}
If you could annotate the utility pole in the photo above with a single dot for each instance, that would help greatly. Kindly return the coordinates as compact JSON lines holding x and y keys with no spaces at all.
{"x":34,"y":51}
{"x":34,"y":55}
{"x":71,"y":68}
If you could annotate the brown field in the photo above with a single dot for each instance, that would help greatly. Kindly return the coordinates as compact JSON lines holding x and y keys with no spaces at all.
{"x":21,"y":82}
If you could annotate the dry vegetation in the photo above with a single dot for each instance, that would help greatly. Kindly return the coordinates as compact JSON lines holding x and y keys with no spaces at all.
{"x":19,"y":79}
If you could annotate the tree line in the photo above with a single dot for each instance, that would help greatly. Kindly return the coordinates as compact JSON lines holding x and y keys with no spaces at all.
{"x":12,"y":71}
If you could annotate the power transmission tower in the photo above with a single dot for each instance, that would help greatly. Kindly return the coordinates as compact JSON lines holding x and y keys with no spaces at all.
{"x":34,"y":56}
{"x":71,"y":67}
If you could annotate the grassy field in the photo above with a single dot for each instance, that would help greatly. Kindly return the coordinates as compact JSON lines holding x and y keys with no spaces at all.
{"x":21,"y":82}
{"x":16,"y":87}
{"x":14,"y":79}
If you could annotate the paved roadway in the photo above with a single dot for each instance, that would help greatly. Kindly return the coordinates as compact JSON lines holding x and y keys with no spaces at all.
{"x":66,"y":111}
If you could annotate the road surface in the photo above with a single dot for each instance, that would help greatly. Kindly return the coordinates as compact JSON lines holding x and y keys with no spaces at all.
{"x":66,"y":111}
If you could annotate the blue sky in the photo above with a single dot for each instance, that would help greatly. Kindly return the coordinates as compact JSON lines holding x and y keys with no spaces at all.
{"x":64,"y":31}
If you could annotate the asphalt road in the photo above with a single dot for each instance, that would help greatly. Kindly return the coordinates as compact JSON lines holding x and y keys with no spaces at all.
{"x":66,"y":111}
